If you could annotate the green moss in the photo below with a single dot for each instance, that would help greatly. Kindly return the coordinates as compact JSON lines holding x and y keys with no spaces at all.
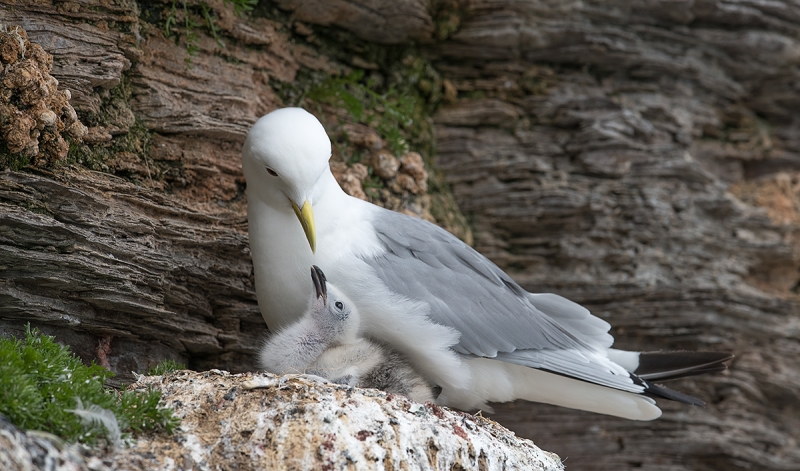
{"x":390,"y":112}
{"x":115,"y":107}
{"x":115,"y":112}
{"x":396,"y":100}
{"x":372,"y":184}
{"x":41,"y":382}
{"x":96,"y":157}
{"x":11,"y":160}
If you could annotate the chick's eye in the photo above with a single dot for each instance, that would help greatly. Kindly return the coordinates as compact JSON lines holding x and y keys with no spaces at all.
{"x":272,"y":172}
{"x":339,"y":305}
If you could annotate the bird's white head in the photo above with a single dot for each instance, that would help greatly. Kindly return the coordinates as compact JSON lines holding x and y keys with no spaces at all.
{"x":284,"y":157}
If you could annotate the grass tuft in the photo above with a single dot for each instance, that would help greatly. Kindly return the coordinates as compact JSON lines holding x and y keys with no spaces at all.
{"x":166,"y":366}
{"x":196,"y":15}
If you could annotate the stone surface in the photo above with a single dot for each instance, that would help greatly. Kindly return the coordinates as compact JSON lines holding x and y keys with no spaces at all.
{"x":100,"y":53}
{"x":268,"y":422}
{"x":88,"y":257}
{"x":385,"y":164}
{"x":38,"y":451}
{"x":373,"y":20}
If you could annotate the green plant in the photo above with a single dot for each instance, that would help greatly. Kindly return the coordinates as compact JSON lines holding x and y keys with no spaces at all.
{"x":209,"y":17}
{"x":389,"y":112}
{"x":166,"y":366}
{"x":241,"y":6}
{"x":196,"y":15}
{"x":43,"y":386}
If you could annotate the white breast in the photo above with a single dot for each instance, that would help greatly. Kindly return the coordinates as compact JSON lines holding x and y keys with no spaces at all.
{"x":282,"y":261}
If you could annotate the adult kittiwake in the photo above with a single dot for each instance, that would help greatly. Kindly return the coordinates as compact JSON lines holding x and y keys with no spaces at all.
{"x":462,"y":322}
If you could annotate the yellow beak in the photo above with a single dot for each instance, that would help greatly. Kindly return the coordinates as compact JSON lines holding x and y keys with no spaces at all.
{"x":306,"y":217}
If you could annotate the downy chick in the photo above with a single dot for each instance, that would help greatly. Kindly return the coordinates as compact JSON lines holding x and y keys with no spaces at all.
{"x":325,"y":342}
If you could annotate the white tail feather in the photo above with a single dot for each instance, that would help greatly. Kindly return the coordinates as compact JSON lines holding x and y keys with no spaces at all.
{"x":496,"y":381}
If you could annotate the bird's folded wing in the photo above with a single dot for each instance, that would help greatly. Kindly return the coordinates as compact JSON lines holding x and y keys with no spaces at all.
{"x":471,"y":294}
{"x":573,"y":317}
{"x":495,"y":316}
{"x":592,"y":367}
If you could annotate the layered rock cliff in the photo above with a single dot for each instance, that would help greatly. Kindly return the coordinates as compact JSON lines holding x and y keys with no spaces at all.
{"x":640,"y":159}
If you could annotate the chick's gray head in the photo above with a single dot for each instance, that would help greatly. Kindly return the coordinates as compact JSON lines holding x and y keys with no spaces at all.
{"x":332,"y":310}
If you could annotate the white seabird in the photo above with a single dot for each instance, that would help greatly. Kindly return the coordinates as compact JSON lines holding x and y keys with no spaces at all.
{"x":463,"y":323}
{"x":325,"y":343}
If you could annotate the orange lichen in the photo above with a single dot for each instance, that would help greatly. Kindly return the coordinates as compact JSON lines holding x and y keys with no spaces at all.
{"x":778,"y":194}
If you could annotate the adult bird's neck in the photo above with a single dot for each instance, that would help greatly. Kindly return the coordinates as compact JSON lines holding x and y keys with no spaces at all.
{"x":327,"y":193}
{"x":280,"y":250}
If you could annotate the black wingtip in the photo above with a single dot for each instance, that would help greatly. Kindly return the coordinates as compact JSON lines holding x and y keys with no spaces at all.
{"x":658,"y":390}
{"x":664,"y":366}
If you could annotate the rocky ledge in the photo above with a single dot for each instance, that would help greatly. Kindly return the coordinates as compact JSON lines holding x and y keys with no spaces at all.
{"x":261,"y":421}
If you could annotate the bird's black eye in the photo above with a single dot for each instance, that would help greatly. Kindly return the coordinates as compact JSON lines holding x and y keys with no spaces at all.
{"x":272,"y":172}
{"x":339,"y":305}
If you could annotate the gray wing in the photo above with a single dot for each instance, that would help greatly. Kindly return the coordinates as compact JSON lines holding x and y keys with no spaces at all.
{"x":496,"y":317}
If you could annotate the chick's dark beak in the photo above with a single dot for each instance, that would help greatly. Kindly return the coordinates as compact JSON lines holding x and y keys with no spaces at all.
{"x":319,"y":284}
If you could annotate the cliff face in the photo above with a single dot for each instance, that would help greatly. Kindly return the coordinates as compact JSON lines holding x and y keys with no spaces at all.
{"x":642,"y":160}
{"x":618,"y":155}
